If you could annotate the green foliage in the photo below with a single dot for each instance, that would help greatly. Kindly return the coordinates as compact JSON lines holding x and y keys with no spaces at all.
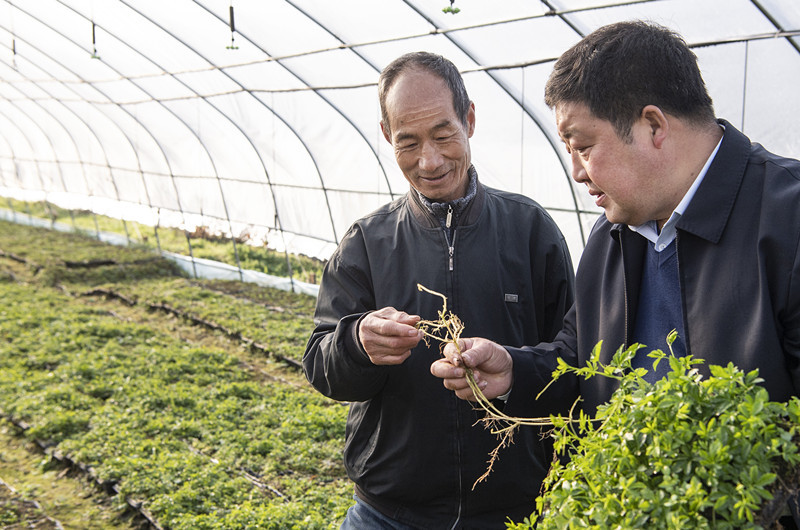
{"x":200,"y":243}
{"x":450,"y":9}
{"x":190,"y":431}
{"x":685,"y":452}
{"x":55,"y":258}
{"x":260,"y":259}
{"x":18,"y":512}
{"x":277,"y":319}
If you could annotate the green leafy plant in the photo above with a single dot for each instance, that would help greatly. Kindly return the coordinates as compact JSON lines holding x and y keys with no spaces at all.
{"x":684,"y":452}
{"x":450,"y":9}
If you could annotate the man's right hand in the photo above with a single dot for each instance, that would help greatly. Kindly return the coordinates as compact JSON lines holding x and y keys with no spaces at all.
{"x":491,"y":367}
{"x":388,"y":335}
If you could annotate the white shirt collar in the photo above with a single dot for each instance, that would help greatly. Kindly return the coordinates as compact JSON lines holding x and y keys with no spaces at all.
{"x":649,"y":229}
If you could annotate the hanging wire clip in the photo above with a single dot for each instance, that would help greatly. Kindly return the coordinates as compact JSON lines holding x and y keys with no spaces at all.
{"x":233,"y":29}
{"x":94,"y":42}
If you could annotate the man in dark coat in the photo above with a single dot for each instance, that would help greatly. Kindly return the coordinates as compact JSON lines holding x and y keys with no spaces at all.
{"x":701,"y":231}
{"x":412,"y":448}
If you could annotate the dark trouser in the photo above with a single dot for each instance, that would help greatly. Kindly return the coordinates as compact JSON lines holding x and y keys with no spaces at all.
{"x":362,"y":516}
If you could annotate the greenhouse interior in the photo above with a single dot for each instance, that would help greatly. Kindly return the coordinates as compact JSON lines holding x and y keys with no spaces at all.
{"x":261,"y":117}
{"x":241,"y":140}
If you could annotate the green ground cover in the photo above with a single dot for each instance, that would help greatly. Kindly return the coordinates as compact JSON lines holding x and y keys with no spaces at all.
{"x":35,"y":492}
{"x":199,"y":243}
{"x":278,"y":320}
{"x":194,"y":426}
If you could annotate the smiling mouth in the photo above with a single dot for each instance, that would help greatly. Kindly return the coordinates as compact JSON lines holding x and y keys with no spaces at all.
{"x":433,"y":179}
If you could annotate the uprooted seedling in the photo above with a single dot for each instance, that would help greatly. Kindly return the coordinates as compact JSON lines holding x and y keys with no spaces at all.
{"x":448,"y":329}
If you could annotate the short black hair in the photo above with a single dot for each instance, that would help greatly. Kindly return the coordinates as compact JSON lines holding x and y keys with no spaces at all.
{"x":433,"y":63}
{"x":620,"y":68}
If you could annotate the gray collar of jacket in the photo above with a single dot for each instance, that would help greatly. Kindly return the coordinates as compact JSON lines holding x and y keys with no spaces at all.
{"x":469,"y":215}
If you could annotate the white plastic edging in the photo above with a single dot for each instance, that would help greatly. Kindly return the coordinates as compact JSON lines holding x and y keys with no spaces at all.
{"x":198,"y":267}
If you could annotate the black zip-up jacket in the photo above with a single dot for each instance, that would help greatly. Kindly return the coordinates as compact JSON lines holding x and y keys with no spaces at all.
{"x":738,"y":245}
{"x":412,"y":448}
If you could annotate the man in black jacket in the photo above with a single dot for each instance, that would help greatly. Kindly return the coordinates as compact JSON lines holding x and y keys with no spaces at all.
{"x":701,"y":231}
{"x":412,"y":449}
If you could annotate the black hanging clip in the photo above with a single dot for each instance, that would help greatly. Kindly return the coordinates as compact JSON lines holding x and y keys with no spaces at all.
{"x":94,"y":42}
{"x":233,"y":29}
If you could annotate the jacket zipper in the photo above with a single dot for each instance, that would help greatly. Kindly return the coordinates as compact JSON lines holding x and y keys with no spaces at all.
{"x":460,"y":489}
{"x":450,"y":251}
{"x":448,"y":222}
{"x":457,"y":522}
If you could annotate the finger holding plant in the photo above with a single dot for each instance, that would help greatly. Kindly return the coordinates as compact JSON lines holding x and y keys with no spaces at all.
{"x":447,"y":330}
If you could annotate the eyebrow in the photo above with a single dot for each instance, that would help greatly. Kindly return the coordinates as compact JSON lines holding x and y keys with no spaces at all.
{"x":441,"y":125}
{"x":567,"y":134}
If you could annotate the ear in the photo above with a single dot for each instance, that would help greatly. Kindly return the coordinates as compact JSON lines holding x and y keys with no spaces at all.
{"x":471,"y":120}
{"x":657,"y":123}
{"x":386,"y":134}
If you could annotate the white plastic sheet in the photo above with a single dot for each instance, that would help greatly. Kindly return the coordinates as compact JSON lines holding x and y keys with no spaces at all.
{"x":150,"y":105}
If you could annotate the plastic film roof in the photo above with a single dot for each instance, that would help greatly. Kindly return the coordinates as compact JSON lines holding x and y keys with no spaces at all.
{"x":178,"y":113}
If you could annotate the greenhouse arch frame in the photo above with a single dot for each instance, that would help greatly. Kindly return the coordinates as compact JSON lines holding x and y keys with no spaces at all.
{"x":261,"y":116}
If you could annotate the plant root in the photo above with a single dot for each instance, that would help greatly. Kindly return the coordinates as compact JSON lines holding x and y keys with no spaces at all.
{"x":448,"y":329}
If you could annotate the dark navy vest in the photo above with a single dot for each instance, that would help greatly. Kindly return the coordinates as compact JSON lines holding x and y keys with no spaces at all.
{"x":660,"y":310}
